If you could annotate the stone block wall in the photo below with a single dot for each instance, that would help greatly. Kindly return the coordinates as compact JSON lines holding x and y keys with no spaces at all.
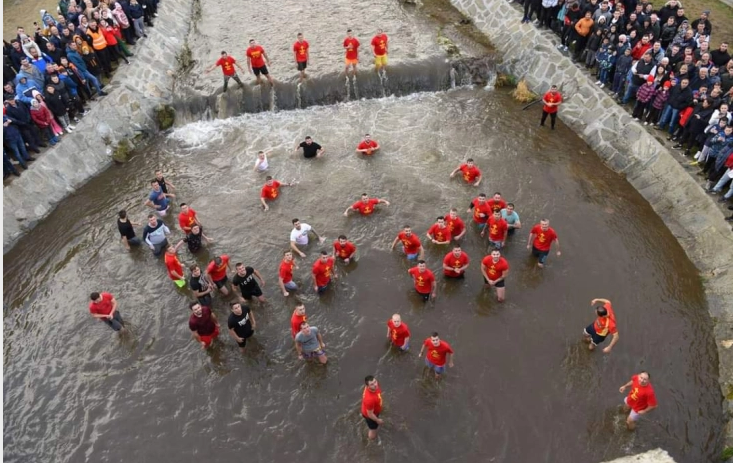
{"x":627,"y":148}
{"x":128,"y":111}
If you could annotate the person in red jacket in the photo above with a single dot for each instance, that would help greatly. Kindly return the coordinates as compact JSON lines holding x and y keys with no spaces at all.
{"x":551,"y":100}
{"x":640,"y":48}
{"x":641,"y":399}
{"x":43,"y":118}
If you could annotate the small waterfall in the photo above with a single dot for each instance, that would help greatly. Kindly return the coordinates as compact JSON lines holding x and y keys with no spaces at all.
{"x":383,"y":82}
{"x":273,"y":98}
{"x":298,"y":96}
{"x":348,"y":88}
{"x":257,"y":92}
{"x":453,"y":78}
{"x":356,"y":88}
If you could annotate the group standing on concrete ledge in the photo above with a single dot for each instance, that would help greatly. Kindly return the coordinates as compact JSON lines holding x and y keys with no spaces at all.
{"x":661,"y":62}
{"x":51,"y":76}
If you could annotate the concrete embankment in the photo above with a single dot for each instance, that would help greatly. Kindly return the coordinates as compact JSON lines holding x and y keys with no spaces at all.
{"x":112,"y":127}
{"x":627,"y":148}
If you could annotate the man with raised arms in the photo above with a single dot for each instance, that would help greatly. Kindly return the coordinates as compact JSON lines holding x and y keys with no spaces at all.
{"x":604,"y":325}
{"x":469,"y":171}
{"x":411,"y":245}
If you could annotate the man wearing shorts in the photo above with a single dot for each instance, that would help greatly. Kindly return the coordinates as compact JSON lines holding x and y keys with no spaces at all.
{"x":309,"y":344}
{"x":246,"y":279}
{"x":540,"y":241}
{"x":201,"y":285}
{"x":301,"y":54}
{"x":371,"y":405}
{"x":641,"y":399}
{"x":285,"y":275}
{"x":257,"y":61}
{"x":154,"y":235}
{"x":104,"y":307}
{"x":241,"y":324}
{"x":495,"y":268}
{"x":411,"y":245}
{"x":351,"y":45}
{"x":379,"y":46}
{"x":217,"y":271}
{"x":597,"y":332}
{"x":227,"y":64}
{"x":158,"y":200}
{"x":424,"y":280}
{"x":203,"y":324}
{"x":297,"y":318}
{"x":438,"y":354}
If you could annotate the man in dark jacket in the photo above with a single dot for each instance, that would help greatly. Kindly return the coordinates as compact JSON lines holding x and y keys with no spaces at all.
{"x":705,"y":21}
{"x":20,"y":115}
{"x":643,"y":68}
{"x":680,"y":97}
{"x":54,"y":53}
{"x":13,"y":141}
{"x":72,"y":53}
{"x":16,"y":54}
{"x":720,"y":56}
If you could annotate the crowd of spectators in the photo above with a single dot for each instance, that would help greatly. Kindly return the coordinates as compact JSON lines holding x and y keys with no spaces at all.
{"x":660,"y":64}
{"x":51,"y":75}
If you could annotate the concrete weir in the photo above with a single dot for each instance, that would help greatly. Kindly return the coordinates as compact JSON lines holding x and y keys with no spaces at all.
{"x":114,"y":124}
{"x":627,"y":148}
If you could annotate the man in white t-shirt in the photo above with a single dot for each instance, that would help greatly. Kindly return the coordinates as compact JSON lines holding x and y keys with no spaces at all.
{"x":261,"y":163}
{"x":299,"y":236}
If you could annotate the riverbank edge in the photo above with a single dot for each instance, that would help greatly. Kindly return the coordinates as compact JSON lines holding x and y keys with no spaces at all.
{"x":115,"y":124}
{"x":627,"y":148}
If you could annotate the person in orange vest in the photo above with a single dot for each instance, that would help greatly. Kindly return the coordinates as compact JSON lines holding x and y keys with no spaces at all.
{"x":551,"y":100}
{"x":99,"y":43}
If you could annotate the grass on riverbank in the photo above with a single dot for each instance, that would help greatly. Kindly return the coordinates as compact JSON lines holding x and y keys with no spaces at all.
{"x":721,"y":16}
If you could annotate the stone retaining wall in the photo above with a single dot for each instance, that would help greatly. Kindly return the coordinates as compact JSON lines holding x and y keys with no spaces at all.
{"x":127,"y":112}
{"x":627,"y":148}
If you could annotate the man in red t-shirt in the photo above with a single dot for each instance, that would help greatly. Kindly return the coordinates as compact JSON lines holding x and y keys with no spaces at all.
{"x":551,"y":100}
{"x":285,"y":274}
{"x":227,"y":64}
{"x":174,"y":266}
{"x":371,"y":405}
{"x":495,"y":269}
{"x":270,"y":191}
{"x":344,"y":249}
{"x":498,"y":230}
{"x":469,"y":172}
{"x":455,"y":263}
{"x":366,"y":205}
{"x":411,"y":245}
{"x":595,"y":333}
{"x":424,"y":280}
{"x":496,"y":203}
{"x":455,"y":223}
{"x":301,"y":54}
{"x":217,"y":271}
{"x":379,"y":47}
{"x":641,"y":399}
{"x":439,"y":233}
{"x":540,"y":241}
{"x":438,"y":354}
{"x":297,"y":318}
{"x":323,"y":271}
{"x":367,"y":146}
{"x":203,"y":324}
{"x":481,"y":211}
{"x":104,"y":307}
{"x":398,"y":333}
{"x":257,"y":61}
{"x":351,"y":45}
{"x":187,"y":218}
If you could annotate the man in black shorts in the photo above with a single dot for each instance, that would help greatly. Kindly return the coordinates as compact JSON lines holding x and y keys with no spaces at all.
{"x":311,"y":149}
{"x":257,"y":61}
{"x":194,"y":239}
{"x":201,"y":286}
{"x":241,"y":324}
{"x":126,"y":231}
{"x":246,"y":279}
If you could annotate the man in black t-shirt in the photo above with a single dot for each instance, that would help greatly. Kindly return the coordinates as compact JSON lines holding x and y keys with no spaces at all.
{"x":126,"y":231}
{"x":201,"y":286}
{"x":194,"y":239}
{"x":241,"y":324}
{"x":311,"y":149}
{"x":246,"y":280}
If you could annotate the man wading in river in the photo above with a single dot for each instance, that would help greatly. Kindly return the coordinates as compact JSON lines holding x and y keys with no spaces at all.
{"x":203,"y":325}
{"x":540,"y":241}
{"x":154,"y":234}
{"x":551,"y":100}
{"x":641,"y":399}
{"x":299,"y":236}
{"x":104,"y":307}
{"x":309,"y":344}
{"x":597,"y":332}
{"x":371,"y":405}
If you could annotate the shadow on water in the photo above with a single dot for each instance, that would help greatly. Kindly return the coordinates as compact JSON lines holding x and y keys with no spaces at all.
{"x":428,"y":75}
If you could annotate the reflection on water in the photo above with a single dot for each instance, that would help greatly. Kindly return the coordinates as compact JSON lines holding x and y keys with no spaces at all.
{"x":523,"y":387}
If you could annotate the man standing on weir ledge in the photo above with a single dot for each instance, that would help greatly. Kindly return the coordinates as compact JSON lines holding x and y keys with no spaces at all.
{"x":154,"y":234}
{"x":257,"y":61}
{"x":379,"y":46}
{"x":551,"y":100}
{"x":104,"y":307}
{"x":301,"y":54}
{"x":311,"y":149}
{"x":351,"y":45}
{"x":227,"y":64}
